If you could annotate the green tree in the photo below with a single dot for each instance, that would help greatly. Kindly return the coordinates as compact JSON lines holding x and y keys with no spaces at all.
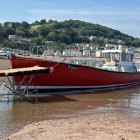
{"x":37,"y":40}
{"x":136,"y":42}
{"x":25,"y":24}
{"x":43,"y":21}
{"x":43,"y":30}
{"x":53,"y":36}
{"x":21,"y":31}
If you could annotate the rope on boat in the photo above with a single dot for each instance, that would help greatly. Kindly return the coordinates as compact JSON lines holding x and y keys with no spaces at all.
{"x":56,"y":64}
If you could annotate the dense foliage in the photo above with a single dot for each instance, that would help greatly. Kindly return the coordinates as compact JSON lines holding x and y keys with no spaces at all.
{"x":65,"y":32}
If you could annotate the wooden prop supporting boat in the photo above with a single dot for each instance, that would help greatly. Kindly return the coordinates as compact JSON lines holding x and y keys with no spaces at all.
{"x":13,"y":87}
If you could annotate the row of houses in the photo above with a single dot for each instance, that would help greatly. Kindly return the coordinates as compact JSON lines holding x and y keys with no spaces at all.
{"x":72,"y":53}
{"x":86,"y":52}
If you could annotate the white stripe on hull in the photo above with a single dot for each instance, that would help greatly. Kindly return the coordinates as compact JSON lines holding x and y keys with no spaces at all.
{"x":78,"y":87}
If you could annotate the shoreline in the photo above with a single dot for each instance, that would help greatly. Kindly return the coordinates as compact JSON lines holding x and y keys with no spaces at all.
{"x":96,"y":126}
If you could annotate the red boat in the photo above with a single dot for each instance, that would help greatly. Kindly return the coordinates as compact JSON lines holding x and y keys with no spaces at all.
{"x":68,"y":76}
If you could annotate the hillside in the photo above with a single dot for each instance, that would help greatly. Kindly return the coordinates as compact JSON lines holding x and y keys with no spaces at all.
{"x":68,"y":32}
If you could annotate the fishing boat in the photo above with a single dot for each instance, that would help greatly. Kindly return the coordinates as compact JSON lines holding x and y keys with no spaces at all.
{"x":117,"y":71}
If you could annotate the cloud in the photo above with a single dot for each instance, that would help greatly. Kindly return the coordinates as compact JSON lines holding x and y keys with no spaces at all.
{"x":123,"y":20}
{"x":104,"y":12}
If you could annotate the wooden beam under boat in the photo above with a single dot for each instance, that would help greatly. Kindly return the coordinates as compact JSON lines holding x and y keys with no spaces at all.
{"x":25,"y":71}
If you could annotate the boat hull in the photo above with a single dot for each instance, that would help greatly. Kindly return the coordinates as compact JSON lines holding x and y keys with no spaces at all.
{"x":68,"y":77}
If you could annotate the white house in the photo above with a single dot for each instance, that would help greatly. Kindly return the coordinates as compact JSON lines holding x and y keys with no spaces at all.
{"x":86,"y":53}
{"x":72,"y":53}
{"x":58,"y":53}
{"x":98,"y":53}
{"x":18,"y":38}
{"x":48,"y":52}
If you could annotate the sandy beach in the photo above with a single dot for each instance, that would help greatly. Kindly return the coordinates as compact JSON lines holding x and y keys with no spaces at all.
{"x":100,"y":126}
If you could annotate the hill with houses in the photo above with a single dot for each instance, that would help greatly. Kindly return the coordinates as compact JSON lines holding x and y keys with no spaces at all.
{"x":61,"y":33}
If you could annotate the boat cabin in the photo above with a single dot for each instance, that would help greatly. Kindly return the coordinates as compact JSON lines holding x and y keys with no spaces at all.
{"x":119,"y":60}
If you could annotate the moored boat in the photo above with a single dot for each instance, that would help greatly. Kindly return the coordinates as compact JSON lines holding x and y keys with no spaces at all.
{"x":118,"y":71}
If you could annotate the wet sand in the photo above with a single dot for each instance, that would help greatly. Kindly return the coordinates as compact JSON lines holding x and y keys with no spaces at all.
{"x":102,"y":126}
{"x":101,"y":116}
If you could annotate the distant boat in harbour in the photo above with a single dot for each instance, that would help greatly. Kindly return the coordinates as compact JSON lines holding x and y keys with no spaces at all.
{"x":3,"y":54}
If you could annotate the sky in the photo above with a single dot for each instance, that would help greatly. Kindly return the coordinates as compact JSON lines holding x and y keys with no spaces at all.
{"x":122,"y":15}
